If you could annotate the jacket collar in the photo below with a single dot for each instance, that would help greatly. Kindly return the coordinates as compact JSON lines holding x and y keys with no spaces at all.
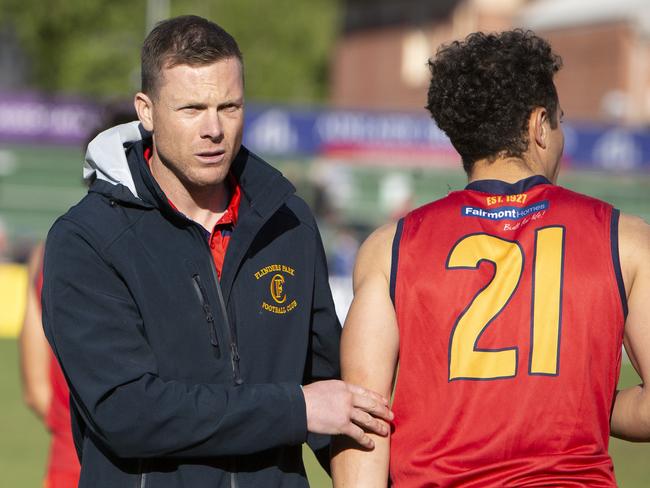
{"x":265,"y":187}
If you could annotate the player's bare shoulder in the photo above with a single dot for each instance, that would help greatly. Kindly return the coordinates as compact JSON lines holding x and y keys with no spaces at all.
{"x":375,"y":253}
{"x":634,"y":246}
{"x":380,"y":239}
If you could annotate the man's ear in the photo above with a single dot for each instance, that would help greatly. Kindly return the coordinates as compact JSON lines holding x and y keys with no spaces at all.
{"x":538,"y":126}
{"x":144,"y":108}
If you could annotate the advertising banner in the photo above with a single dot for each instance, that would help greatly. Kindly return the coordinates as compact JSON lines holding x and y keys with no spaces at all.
{"x":361,"y":137}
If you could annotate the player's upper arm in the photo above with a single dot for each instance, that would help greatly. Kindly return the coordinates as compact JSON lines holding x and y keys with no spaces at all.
{"x":34,"y":349}
{"x":370,"y":339}
{"x":369,"y":349}
{"x":630,"y":418}
{"x":634,"y":250}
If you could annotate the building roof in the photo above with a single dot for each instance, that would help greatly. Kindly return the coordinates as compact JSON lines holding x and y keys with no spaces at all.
{"x":559,"y":14}
{"x":370,"y":14}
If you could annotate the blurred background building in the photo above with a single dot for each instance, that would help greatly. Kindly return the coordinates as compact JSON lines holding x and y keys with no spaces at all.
{"x":605,"y":46}
{"x":379,"y":60}
{"x":380,"y":56}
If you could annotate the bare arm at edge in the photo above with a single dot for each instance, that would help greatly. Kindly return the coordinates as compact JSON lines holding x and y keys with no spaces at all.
{"x":34,"y":350}
{"x":631,"y":412}
{"x":369,"y":349}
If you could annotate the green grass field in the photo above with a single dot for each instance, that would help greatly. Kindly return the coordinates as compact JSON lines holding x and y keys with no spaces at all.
{"x":23,"y":440}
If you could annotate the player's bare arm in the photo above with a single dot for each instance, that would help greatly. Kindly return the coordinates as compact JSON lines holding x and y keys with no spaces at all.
{"x":369,"y":349}
{"x":34,"y":349}
{"x":631,"y":412}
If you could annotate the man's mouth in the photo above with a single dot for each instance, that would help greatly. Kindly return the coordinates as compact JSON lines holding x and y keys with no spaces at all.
{"x":211,"y":157}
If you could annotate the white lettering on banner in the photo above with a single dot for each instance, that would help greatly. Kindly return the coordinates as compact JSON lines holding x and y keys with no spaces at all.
{"x":272,"y":132}
{"x":41,"y":119}
{"x":23,"y":118}
{"x":358,"y":127}
{"x":617,"y":149}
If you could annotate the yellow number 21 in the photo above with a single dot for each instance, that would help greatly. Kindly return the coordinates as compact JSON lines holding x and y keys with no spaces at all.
{"x":466,"y":361}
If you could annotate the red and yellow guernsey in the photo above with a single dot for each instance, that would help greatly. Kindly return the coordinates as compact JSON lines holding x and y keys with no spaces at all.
{"x":510,"y":306}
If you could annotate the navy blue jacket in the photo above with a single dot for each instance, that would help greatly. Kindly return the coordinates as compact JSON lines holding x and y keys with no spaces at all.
{"x":178,"y":379}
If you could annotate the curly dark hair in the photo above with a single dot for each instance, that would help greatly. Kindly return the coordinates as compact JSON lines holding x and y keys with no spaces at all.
{"x":484,"y":88}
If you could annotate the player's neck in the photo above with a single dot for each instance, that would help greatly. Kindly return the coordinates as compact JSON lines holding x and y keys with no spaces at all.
{"x":509,"y":170}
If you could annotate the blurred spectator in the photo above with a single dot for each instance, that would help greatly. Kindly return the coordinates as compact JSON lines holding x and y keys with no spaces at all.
{"x":343,"y":252}
{"x":340,"y":261}
{"x":4,"y":242}
{"x":334,"y":186}
{"x":396,"y":195}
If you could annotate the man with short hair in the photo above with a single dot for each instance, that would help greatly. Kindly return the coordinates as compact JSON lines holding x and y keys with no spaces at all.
{"x":506,"y":303}
{"x":186,"y":295}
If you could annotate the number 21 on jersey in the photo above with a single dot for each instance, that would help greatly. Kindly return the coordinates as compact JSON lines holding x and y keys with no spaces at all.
{"x":466,"y":361}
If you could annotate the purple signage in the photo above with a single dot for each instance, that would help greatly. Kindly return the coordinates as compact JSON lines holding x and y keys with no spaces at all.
{"x":35,"y":118}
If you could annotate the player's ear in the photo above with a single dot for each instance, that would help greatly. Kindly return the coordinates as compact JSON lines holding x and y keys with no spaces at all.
{"x":144,"y":108}
{"x":538,"y":127}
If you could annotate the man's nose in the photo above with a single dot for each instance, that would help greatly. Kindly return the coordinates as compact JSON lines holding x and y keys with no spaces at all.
{"x":211,"y":127}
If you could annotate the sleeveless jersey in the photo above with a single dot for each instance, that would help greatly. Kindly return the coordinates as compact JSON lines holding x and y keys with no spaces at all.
{"x":510,"y":307}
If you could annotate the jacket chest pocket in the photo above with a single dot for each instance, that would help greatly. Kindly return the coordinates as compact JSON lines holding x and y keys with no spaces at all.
{"x":204,"y":307}
{"x":207,"y":312}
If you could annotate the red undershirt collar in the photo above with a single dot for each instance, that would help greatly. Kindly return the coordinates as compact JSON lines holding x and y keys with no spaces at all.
{"x":230,"y":216}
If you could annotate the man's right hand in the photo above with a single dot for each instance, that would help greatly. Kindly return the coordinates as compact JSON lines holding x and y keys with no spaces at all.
{"x":335,"y":407}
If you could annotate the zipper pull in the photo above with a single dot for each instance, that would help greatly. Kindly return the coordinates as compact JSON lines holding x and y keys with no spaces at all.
{"x":209,"y":318}
{"x":213,"y":328}
{"x":234,"y":359}
{"x":208,"y":315}
{"x":213,"y":337}
{"x":234,"y":352}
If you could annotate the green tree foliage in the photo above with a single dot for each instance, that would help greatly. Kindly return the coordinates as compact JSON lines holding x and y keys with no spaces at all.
{"x":286,"y":43}
{"x":79,"y":46}
{"x":92,"y":47}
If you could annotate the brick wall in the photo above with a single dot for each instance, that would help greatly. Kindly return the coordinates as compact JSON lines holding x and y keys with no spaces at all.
{"x":596,"y":66}
{"x":605,"y":78}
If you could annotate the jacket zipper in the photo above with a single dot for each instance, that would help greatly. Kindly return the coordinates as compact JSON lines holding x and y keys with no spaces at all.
{"x":143,"y":475}
{"x":232,"y":334}
{"x":234,"y":354}
{"x":234,"y":360}
{"x":200,"y":292}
